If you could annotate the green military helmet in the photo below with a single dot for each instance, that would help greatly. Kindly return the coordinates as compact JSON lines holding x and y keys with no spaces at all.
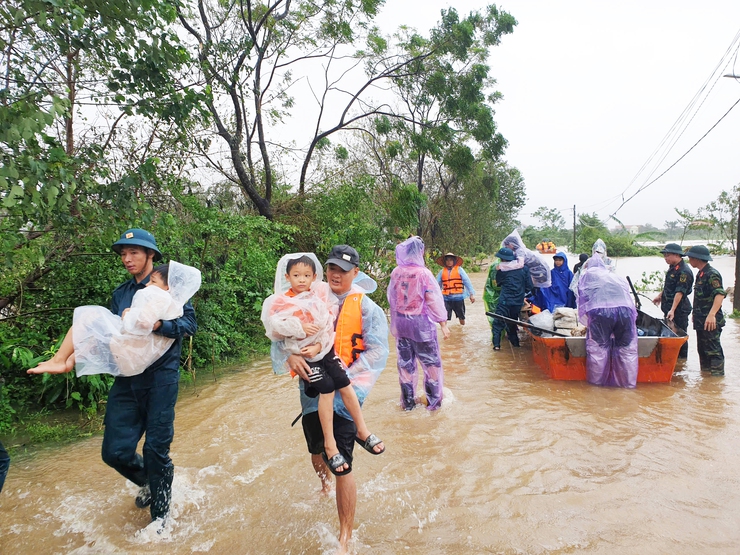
{"x":505,"y":253}
{"x":673,"y":248}
{"x":699,"y":252}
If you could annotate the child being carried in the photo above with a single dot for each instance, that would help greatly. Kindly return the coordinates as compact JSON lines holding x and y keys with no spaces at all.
{"x":299,"y":319}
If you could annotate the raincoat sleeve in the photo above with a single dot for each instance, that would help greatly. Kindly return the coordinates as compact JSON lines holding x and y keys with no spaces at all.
{"x":148,"y":306}
{"x":179,"y":327}
{"x":364,"y":372}
{"x":434,"y":300}
{"x":468,"y":285}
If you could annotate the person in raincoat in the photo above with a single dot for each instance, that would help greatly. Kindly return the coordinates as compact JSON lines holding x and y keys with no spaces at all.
{"x":539,"y":271}
{"x":361,"y":342}
{"x":606,"y":307}
{"x":416,"y":306}
{"x":515,"y":282}
{"x":559,"y":293}
{"x":301,"y":315}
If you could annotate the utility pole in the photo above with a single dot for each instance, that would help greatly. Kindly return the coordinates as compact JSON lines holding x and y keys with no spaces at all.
{"x":574,"y":234}
{"x":736,"y":297}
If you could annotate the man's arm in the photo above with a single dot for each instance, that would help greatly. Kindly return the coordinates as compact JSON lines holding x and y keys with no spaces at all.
{"x":676,"y":301}
{"x":183,"y":326}
{"x":711,"y":322}
{"x":467,"y":284}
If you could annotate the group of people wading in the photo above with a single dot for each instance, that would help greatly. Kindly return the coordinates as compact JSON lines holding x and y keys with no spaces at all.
{"x":335,"y":339}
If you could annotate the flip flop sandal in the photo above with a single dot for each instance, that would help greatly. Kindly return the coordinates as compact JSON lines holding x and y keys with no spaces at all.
{"x":370,"y":442}
{"x":337,"y":461}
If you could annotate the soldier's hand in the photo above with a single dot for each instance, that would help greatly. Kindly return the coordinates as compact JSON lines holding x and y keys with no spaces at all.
{"x":671,"y":314}
{"x":656,"y":300}
{"x":710,"y":324}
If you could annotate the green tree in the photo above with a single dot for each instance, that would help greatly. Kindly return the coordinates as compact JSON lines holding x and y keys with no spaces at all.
{"x":254,"y":54}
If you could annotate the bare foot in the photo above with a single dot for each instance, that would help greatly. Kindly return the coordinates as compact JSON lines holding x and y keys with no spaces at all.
{"x":50,"y":367}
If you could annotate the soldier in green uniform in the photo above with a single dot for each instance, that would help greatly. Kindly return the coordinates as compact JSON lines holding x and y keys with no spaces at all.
{"x":708,"y":317}
{"x":674,"y":299}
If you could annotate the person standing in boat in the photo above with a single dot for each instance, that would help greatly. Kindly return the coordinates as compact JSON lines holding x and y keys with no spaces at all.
{"x":606,"y":307}
{"x":455,"y":285}
{"x":674,"y":299}
{"x":708,"y":317}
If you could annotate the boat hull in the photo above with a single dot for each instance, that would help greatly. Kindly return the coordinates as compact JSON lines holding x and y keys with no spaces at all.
{"x":565,"y":358}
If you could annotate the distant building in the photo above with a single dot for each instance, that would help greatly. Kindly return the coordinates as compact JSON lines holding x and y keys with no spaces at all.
{"x":631,"y":229}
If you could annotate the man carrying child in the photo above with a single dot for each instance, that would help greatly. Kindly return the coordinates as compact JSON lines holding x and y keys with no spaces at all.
{"x":361,"y":343}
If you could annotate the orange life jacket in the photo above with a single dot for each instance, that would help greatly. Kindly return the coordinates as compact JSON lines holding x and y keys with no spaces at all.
{"x":348,"y":343}
{"x":452,"y":283}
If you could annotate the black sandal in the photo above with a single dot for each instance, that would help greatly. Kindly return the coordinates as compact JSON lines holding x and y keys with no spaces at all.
{"x":336,"y":462}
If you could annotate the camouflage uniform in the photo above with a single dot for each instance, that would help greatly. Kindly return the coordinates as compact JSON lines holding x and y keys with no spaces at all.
{"x":707,"y":286}
{"x":678,"y":279}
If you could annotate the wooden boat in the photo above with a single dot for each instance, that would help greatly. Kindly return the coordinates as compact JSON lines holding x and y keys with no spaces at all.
{"x":564,"y":358}
{"x":546,"y":249}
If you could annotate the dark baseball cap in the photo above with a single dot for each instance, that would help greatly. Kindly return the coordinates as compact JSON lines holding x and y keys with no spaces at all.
{"x":344,"y":256}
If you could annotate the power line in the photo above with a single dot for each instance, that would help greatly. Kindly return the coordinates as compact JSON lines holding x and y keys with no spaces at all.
{"x":643,"y":187}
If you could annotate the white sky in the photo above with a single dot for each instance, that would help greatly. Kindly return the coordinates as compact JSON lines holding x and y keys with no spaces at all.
{"x":591,"y":88}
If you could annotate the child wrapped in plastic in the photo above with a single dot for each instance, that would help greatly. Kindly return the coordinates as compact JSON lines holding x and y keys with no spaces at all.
{"x":606,"y":307}
{"x":100,"y":342}
{"x":539,"y":271}
{"x":283,"y":316}
{"x":299,"y":320}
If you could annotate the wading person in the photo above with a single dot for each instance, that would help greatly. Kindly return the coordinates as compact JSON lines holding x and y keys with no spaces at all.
{"x":361,"y":342}
{"x":416,"y":306}
{"x":4,"y":465}
{"x":300,"y":316}
{"x":4,"y":457}
{"x":455,"y":284}
{"x":145,"y":403}
{"x":606,"y":307}
{"x":514,"y":282}
{"x":674,"y":299}
{"x":708,"y":316}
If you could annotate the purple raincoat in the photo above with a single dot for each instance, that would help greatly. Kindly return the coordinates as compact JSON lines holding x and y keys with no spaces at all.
{"x":607,"y":309}
{"x":416,"y":306}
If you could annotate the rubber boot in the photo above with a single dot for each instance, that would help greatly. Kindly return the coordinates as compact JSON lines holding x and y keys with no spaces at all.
{"x":718,"y":368}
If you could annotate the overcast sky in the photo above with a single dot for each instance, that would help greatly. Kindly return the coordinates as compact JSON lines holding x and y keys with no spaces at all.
{"x":590,"y":90}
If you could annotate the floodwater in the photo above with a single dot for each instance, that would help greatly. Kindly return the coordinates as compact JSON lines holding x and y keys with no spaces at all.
{"x":513,"y":463}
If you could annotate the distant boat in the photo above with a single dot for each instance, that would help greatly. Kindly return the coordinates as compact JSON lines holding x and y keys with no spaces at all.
{"x":546,"y":247}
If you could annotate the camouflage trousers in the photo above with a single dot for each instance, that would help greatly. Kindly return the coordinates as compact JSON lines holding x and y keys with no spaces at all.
{"x":682,"y":321}
{"x":711,"y":356}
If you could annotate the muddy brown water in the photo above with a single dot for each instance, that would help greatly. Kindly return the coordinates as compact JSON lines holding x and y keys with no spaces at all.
{"x":513,"y":463}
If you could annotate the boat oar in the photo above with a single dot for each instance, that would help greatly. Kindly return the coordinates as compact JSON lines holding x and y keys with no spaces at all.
{"x":634,"y":292}
{"x":524,"y":324}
